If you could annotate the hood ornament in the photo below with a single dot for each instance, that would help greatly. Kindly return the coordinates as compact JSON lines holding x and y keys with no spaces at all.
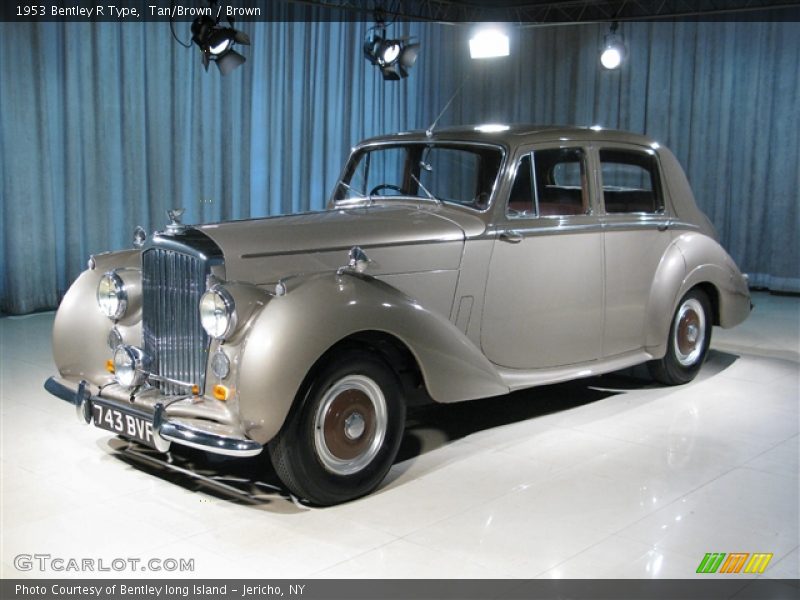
{"x":175,"y":225}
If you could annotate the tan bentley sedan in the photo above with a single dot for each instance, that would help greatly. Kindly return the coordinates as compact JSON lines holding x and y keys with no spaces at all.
{"x":449,"y":265}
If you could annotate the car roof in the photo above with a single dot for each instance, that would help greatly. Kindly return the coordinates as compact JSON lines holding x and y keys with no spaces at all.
{"x":515,"y":134}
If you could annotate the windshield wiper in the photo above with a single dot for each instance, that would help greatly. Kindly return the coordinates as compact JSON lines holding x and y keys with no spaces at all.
{"x":424,"y":189}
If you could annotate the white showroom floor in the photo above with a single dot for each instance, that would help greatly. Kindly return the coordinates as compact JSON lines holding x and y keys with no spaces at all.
{"x":606,"y":477}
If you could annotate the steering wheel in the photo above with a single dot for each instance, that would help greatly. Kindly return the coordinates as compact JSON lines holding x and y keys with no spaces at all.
{"x":385,"y":186}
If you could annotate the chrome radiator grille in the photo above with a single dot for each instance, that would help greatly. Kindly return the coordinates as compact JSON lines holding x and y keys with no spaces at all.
{"x":174,"y":340}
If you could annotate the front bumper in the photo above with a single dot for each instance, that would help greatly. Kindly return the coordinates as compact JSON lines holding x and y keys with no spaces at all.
{"x":195,"y":433}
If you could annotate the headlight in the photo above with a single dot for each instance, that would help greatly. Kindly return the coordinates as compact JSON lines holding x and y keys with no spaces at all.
{"x":111,"y":296}
{"x":129,"y":366}
{"x":217,"y":312}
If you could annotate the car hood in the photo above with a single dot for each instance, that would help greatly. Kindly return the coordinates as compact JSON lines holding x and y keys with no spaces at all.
{"x":396,"y":239}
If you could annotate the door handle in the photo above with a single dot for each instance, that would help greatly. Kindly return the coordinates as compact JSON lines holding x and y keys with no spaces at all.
{"x":511,"y":236}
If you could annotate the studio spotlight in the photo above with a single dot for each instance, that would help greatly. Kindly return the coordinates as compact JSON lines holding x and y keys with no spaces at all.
{"x":489,"y":43}
{"x":393,"y":57}
{"x":216,"y":43}
{"x":614,"y":51}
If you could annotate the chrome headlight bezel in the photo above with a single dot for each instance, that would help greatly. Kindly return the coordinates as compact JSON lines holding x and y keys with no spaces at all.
{"x":129,"y":366}
{"x":215,"y":303}
{"x":113,"y":309}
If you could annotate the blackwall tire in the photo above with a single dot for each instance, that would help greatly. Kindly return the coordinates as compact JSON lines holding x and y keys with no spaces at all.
{"x":344,"y":431}
{"x":689,"y":340}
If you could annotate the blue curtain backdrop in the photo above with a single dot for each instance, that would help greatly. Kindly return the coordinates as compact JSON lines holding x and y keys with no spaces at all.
{"x":105,"y":126}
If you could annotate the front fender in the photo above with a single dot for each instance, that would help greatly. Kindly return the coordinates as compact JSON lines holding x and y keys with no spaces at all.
{"x":80,"y":330}
{"x":291,"y":332}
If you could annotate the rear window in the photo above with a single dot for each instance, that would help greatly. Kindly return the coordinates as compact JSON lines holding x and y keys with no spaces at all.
{"x":630,"y":182}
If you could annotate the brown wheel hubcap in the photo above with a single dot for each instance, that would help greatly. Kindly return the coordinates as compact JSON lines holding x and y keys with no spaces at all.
{"x":690,"y":332}
{"x":350,"y":424}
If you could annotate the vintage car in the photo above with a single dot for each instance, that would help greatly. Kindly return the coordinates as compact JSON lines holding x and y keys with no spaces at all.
{"x":449,"y":265}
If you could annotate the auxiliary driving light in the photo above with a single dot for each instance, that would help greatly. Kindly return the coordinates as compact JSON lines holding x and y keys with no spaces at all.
{"x":129,"y":366}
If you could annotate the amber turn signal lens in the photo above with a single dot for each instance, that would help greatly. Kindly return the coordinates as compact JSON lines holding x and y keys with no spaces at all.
{"x":110,"y":365}
{"x":195,"y":389}
{"x":221,"y":392}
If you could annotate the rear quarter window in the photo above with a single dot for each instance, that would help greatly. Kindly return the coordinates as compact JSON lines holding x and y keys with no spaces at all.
{"x":631,"y":183}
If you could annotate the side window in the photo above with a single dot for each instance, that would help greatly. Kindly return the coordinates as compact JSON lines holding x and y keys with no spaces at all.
{"x":520,"y":202}
{"x":560,"y":179}
{"x":630,"y":182}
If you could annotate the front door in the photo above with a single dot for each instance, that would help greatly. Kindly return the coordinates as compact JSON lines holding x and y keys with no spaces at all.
{"x":544,"y":294}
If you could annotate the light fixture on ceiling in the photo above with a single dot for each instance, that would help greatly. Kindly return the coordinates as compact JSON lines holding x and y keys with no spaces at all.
{"x":489,"y":43}
{"x":216,"y":42}
{"x":394,"y":57}
{"x":614,"y":51}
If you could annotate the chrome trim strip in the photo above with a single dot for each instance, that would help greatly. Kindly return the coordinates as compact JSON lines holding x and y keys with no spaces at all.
{"x":661,"y":223}
{"x":684,"y":225}
{"x":348,"y":248}
{"x":551,"y":229}
{"x":177,"y":382}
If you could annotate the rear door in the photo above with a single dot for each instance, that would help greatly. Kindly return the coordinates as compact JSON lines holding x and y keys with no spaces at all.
{"x":636,"y":236}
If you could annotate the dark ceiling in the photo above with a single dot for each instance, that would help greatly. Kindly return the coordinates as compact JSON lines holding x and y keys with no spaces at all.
{"x":559,"y":11}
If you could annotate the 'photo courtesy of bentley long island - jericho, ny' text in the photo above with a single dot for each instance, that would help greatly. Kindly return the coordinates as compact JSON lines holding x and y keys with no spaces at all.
{"x":450,"y":265}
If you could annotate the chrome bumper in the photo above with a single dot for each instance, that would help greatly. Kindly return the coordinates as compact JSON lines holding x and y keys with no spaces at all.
{"x":165,"y":430}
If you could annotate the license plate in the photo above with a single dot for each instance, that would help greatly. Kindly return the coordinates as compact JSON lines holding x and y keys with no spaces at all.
{"x":125,"y":424}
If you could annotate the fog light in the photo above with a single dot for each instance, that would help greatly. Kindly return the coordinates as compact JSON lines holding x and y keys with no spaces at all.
{"x":129,"y":366}
{"x":114,"y":338}
{"x":221,"y":392}
{"x":220,"y":364}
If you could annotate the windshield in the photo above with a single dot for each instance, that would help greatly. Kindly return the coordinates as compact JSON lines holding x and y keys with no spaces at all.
{"x":459,"y":174}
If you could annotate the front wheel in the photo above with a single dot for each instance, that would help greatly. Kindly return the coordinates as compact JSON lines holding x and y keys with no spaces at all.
{"x":341,"y":439}
{"x":689,"y":339}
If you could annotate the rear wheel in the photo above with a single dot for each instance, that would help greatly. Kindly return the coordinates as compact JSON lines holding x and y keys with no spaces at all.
{"x":689,"y":339}
{"x":343,"y":435}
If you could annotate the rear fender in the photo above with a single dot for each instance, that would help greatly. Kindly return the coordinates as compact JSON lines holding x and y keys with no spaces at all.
{"x":702,"y":262}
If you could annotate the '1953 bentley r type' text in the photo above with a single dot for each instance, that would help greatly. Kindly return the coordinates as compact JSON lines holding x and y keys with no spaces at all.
{"x":450,"y":265}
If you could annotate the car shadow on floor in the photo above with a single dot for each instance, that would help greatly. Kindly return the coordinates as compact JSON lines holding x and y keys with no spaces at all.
{"x":253,"y":482}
